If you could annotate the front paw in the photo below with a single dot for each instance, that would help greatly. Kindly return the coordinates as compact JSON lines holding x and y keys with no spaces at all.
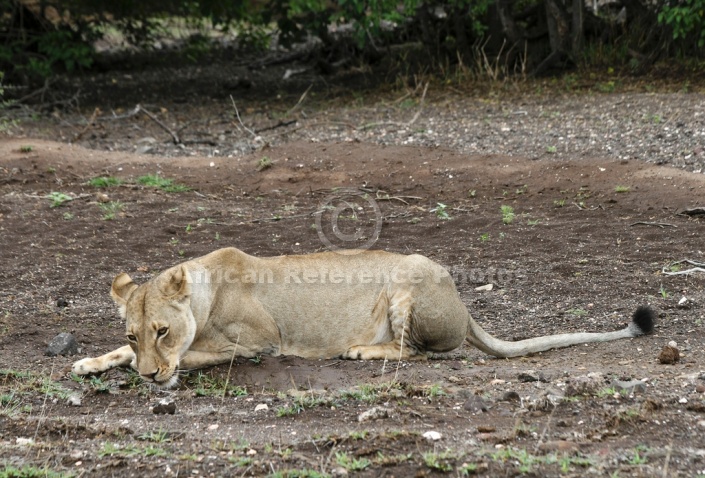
{"x":87,"y":366}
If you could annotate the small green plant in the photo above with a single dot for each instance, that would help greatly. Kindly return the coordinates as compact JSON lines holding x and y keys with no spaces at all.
{"x":99,"y":385}
{"x":189,"y":228}
{"x":57,"y":199}
{"x":637,"y":458}
{"x":434,"y":391}
{"x":208,"y":386}
{"x":264,"y":162}
{"x":257,"y":359}
{"x":351,"y":464}
{"x":67,"y":216}
{"x":484,"y":237}
{"x":438,"y":461}
{"x":559,"y":203}
{"x":288,"y":410}
{"x":441,"y":211}
{"x":521,"y":190}
{"x":472,"y":193}
{"x":166,"y":185}
{"x":532,"y":222}
{"x":467,"y":469}
{"x":606,"y":392}
{"x":26,"y":149}
{"x":663,"y":292}
{"x":159,"y":436}
{"x":29,"y":471}
{"x":507,"y":214}
{"x":217,"y":236}
{"x":551,"y":149}
{"x":111,"y":209}
{"x":105,"y":182}
{"x":622,"y":189}
{"x":577,"y":312}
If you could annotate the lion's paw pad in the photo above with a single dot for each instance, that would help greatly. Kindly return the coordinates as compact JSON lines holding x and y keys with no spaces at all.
{"x":86,"y":366}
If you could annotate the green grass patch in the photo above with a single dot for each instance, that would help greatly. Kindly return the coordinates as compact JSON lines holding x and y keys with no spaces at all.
{"x":105,"y":182}
{"x":165,"y":184}
{"x":29,"y":471}
{"x":207,"y":386}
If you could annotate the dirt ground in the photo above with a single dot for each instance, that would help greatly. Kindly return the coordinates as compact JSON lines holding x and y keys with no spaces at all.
{"x":590,"y":240}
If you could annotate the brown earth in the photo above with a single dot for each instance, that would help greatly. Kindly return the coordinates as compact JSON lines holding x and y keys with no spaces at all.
{"x":578,"y":256}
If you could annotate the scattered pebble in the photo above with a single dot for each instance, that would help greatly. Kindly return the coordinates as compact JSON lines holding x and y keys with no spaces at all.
{"x":630,"y":387}
{"x":375,"y":413}
{"x":531,"y":376}
{"x":584,"y":385}
{"x":213,"y":427}
{"x":24,"y":441}
{"x":61,"y":302}
{"x":485,"y":288}
{"x":475,"y":404}
{"x":165,"y":406}
{"x":339,"y":472}
{"x":432,"y":436}
{"x":669,"y":355}
{"x":486,"y":429}
{"x":62,"y":344}
{"x":261,"y":406}
{"x":74,"y":400}
{"x":510,"y":396}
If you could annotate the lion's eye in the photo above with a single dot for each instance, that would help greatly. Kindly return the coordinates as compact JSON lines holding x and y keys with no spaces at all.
{"x":162,"y":331}
{"x":131,"y":338}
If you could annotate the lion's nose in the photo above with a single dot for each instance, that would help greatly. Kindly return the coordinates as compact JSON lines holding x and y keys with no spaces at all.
{"x":150,"y":376}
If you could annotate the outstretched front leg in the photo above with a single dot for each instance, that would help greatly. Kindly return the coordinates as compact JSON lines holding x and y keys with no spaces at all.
{"x":120,"y":357}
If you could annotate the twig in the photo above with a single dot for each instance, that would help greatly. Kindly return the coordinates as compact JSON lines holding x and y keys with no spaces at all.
{"x":298,"y":103}
{"x":78,"y":135}
{"x":174,"y":136}
{"x":699,"y":267}
{"x":397,"y":123}
{"x":657,"y":224}
{"x":237,"y":113}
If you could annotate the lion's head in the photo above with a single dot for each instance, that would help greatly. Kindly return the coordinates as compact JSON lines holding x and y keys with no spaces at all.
{"x":160,"y":324}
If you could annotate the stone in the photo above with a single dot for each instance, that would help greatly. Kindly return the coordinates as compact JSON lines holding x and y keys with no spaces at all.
{"x":583,"y":385}
{"x":630,"y":386}
{"x":475,"y":404}
{"x":61,"y":302}
{"x":74,"y":400}
{"x":669,"y":355}
{"x":165,"y":406}
{"x":375,"y":413}
{"x":62,"y":344}
{"x":510,"y":396}
{"x":432,"y":435}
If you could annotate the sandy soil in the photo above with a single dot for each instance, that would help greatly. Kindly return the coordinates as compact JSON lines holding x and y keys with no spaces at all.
{"x":578,"y":256}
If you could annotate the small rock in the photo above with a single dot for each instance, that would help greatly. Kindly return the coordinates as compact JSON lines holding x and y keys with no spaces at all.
{"x":701,"y":423}
{"x":475,"y":404}
{"x":339,"y":472}
{"x":583,"y":385}
{"x":486,"y":429}
{"x":74,"y":401}
{"x":62,"y":344}
{"x":561,"y":446}
{"x":669,"y":355}
{"x":375,"y":413}
{"x":485,"y":288}
{"x":683,"y":303}
{"x":683,"y":400}
{"x":530,"y":376}
{"x":700,"y":388}
{"x":432,"y":436}
{"x":213,"y":427}
{"x":24,"y":441}
{"x":62,"y":302}
{"x":102,"y":198}
{"x":165,"y":406}
{"x":251,"y":452}
{"x":510,"y":396}
{"x":630,"y":387}
{"x":261,"y":406}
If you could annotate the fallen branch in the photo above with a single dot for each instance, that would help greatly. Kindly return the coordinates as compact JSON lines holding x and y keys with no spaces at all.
{"x":237,"y":113}
{"x":397,"y":123}
{"x":657,"y":224}
{"x":699,"y":267}
{"x":696,"y":211}
{"x":135,"y":111}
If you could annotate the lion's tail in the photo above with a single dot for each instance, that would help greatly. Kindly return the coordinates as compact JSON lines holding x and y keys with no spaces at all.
{"x":642,"y":323}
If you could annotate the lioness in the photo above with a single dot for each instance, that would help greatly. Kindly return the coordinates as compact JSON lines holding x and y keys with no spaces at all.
{"x":356,"y":305}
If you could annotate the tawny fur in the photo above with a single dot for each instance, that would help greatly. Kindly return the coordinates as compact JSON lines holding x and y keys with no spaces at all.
{"x":357,"y":305}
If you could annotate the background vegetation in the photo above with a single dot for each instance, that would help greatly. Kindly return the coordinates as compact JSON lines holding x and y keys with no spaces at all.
{"x":503,"y":37}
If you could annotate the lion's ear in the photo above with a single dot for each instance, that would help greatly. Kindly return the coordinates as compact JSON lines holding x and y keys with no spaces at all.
{"x":122,"y":288}
{"x":177,"y":286}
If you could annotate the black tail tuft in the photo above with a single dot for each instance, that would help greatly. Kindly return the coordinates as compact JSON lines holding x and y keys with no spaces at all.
{"x":644,"y":318}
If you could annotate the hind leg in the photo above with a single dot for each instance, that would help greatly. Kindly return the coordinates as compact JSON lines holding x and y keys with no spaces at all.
{"x":400,"y":347}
